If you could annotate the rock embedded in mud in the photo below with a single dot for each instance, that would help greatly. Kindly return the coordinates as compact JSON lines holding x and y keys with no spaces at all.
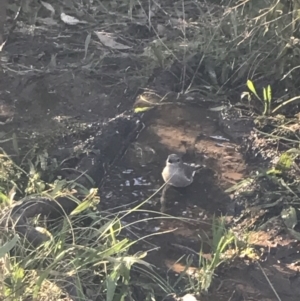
{"x":188,"y":297}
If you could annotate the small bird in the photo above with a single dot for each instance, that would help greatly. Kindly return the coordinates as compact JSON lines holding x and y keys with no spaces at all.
{"x":178,"y":174}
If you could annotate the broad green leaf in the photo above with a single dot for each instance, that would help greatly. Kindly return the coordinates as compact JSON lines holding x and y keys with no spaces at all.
{"x":269,"y":93}
{"x":90,"y":201}
{"x":8,"y":246}
{"x":4,"y":200}
{"x":265,"y":94}
{"x":273,"y":172}
{"x":58,"y":187}
{"x":111,"y":288}
{"x":142,"y":109}
{"x":81,"y":207}
{"x":265,"y":107}
{"x":267,"y":99}
{"x":251,"y":87}
{"x":118,"y":248}
{"x":124,"y":271}
{"x":105,"y":229}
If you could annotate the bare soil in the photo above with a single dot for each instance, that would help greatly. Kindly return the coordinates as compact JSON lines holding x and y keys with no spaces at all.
{"x":54,"y":104}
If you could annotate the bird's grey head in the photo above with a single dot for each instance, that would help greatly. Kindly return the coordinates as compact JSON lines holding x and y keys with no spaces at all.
{"x":174,"y":160}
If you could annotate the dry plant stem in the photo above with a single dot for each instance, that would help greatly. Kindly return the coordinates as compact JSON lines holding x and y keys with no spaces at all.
{"x":290,"y":71}
{"x":275,"y":136}
{"x":285,"y":103}
{"x":267,"y":278}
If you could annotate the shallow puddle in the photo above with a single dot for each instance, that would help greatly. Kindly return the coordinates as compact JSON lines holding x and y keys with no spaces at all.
{"x":194,"y":133}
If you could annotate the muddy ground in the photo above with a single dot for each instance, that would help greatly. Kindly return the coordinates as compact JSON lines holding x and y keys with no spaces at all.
{"x":55,"y":103}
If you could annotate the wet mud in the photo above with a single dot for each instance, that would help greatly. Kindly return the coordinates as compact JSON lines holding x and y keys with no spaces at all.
{"x":193,"y":133}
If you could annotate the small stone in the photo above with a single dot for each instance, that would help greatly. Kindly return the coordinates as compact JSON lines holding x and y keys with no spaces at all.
{"x":188,"y":297}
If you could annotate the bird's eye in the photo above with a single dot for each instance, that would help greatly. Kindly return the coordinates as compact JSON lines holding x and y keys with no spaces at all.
{"x":177,"y":160}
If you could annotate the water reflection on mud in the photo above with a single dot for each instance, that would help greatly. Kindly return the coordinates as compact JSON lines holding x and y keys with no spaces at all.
{"x":193,"y":133}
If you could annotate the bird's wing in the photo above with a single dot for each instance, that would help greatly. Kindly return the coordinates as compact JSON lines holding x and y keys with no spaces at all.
{"x":186,"y":176}
{"x":190,"y":170}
